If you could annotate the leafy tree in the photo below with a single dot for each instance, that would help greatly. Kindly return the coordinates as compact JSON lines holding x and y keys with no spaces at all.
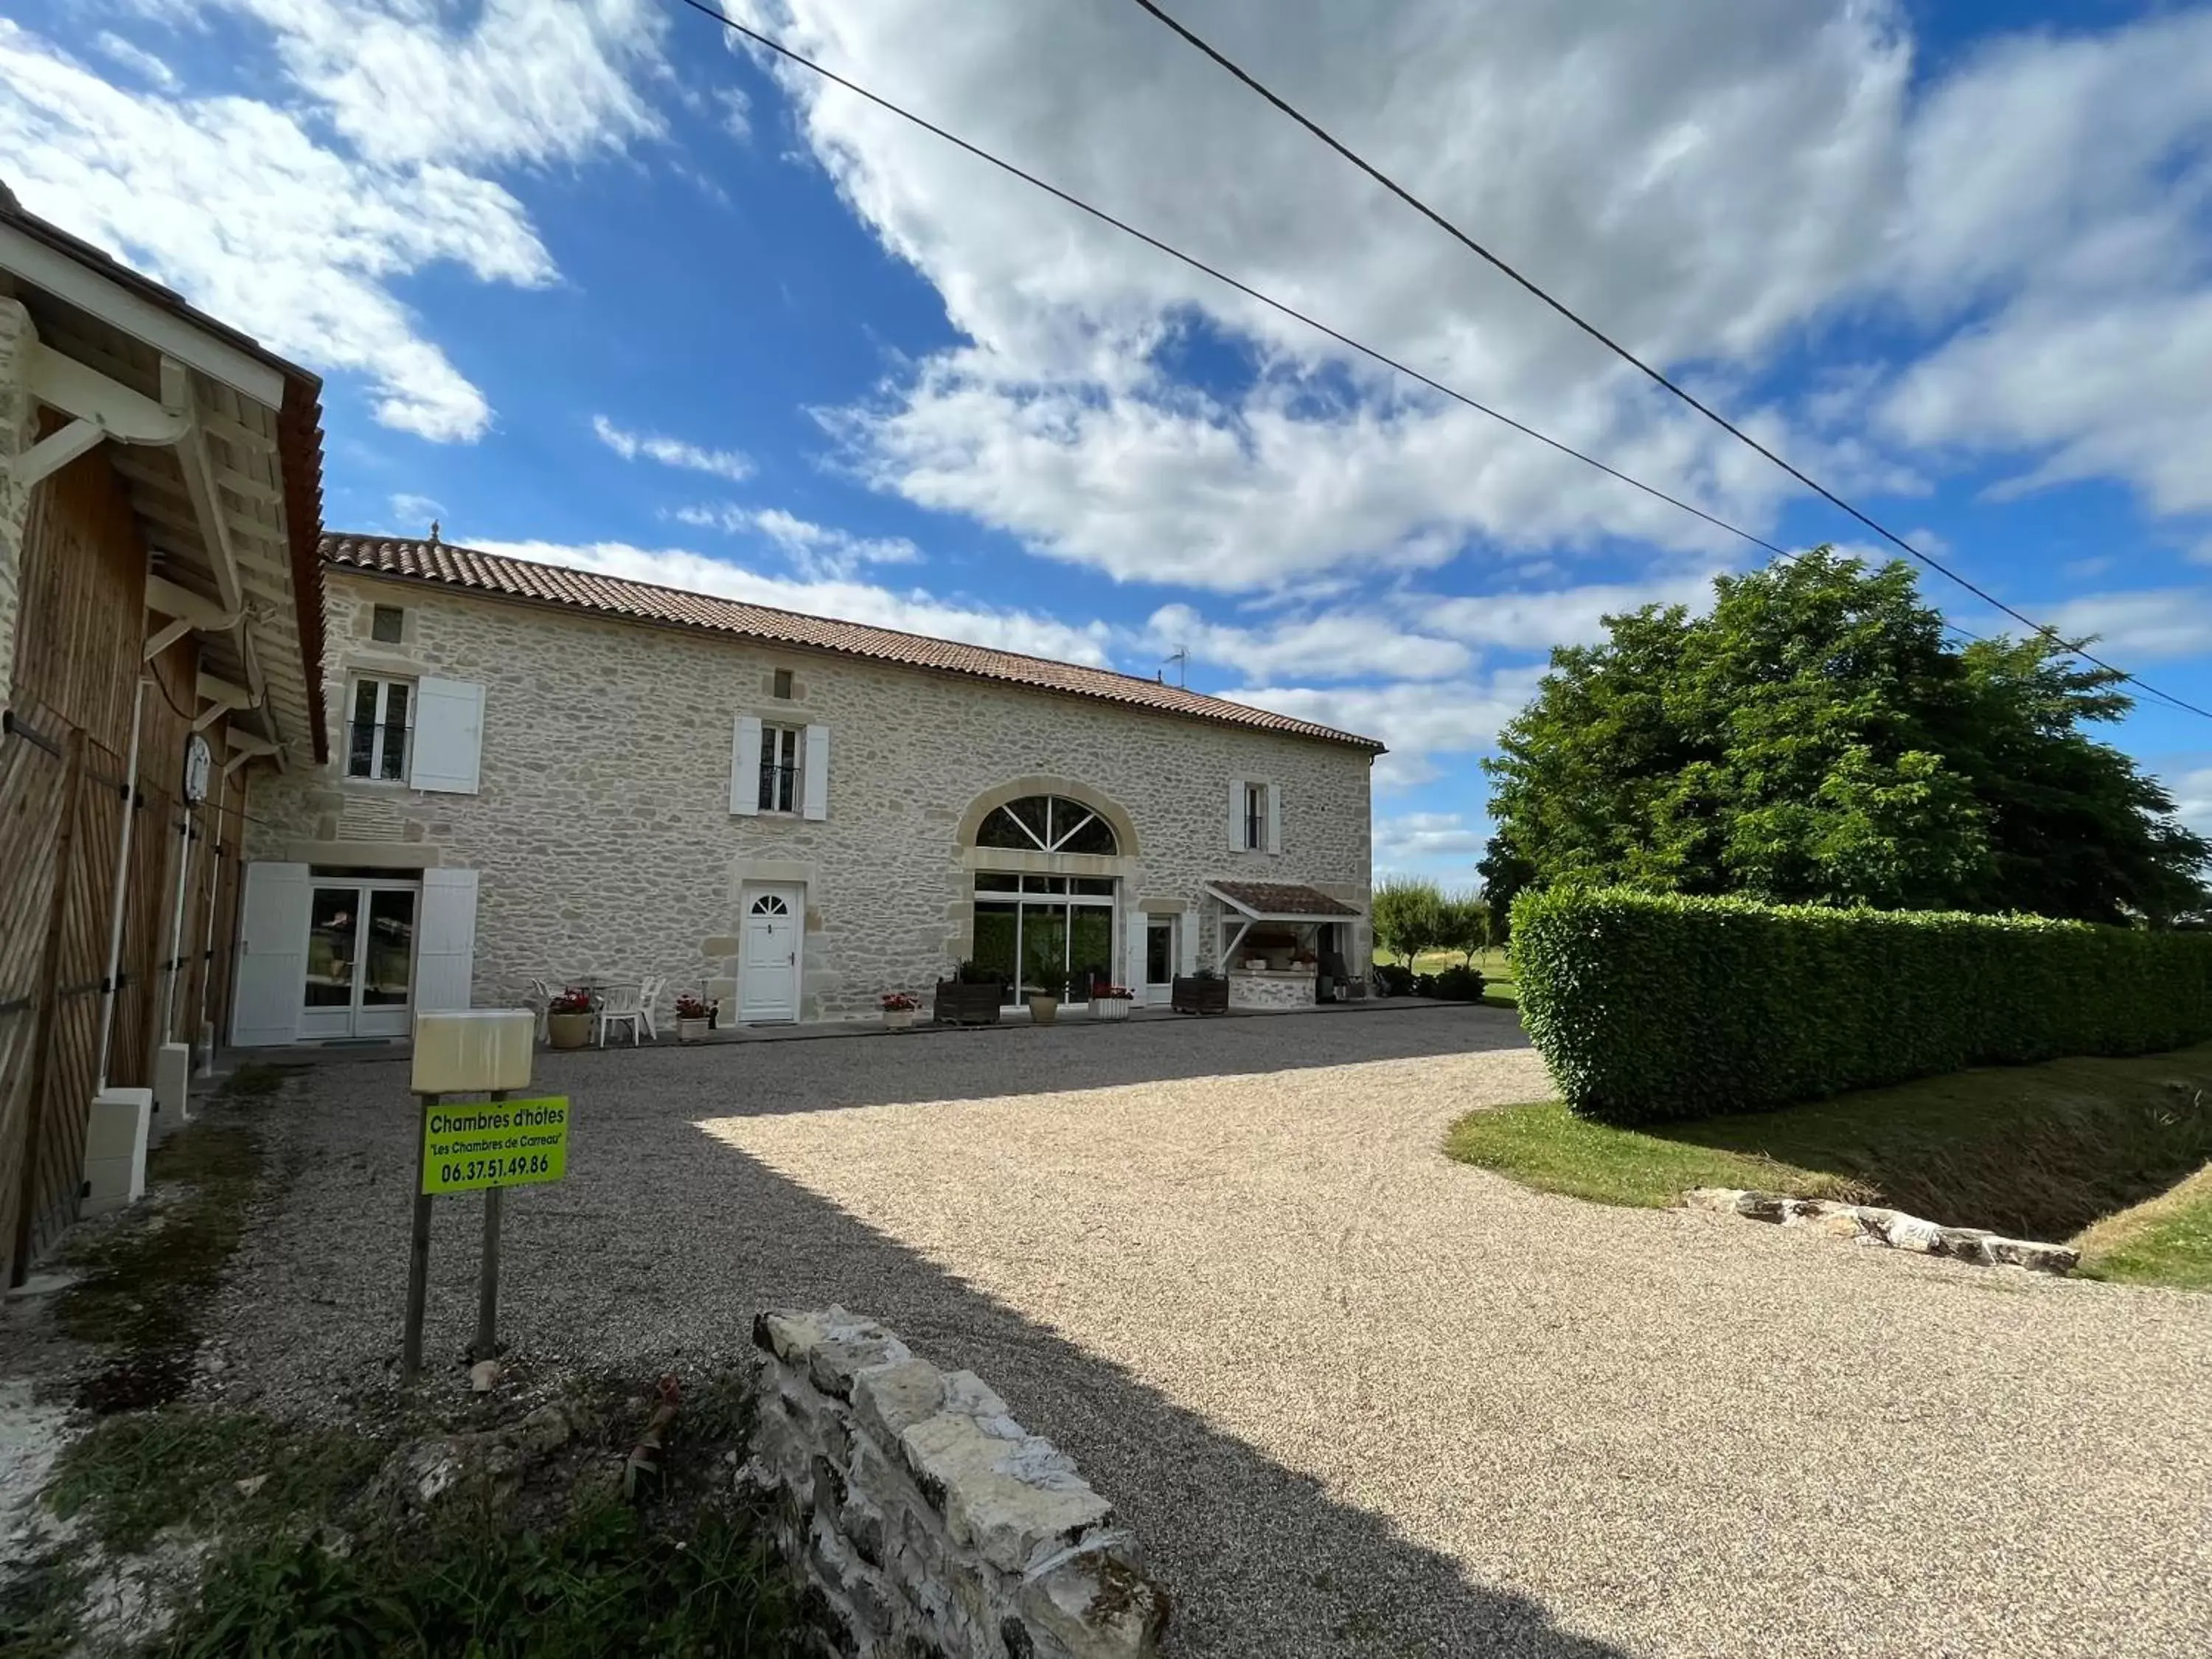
{"x":1465,"y":925}
{"x":1816,"y":739}
{"x":1408,"y":914}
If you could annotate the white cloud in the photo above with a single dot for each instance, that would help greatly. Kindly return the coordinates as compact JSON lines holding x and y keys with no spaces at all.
{"x":519,"y":81}
{"x":672,"y":451}
{"x":737,"y":111}
{"x":248,"y":207}
{"x":1427,"y":839}
{"x":415,"y":510}
{"x":2143,"y":626}
{"x":135,"y":59}
{"x":1420,"y":721}
{"x":1574,"y":615}
{"x":1735,"y":178}
{"x":818,"y":552}
{"x":914,"y":612}
{"x":2192,"y":798}
{"x":1339,"y":645}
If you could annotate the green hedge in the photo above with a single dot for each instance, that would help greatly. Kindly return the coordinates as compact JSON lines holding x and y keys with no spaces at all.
{"x":1650,"y":1007}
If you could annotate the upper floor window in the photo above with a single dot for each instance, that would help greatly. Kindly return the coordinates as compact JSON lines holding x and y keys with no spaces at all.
{"x":780,"y":756}
{"x":783,"y":684}
{"x":1048,"y":824}
{"x":376,"y":735}
{"x":388,"y":625}
{"x":1255,"y":817}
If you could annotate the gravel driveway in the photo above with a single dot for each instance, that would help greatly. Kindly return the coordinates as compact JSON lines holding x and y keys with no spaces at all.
{"x":1354,"y":1398}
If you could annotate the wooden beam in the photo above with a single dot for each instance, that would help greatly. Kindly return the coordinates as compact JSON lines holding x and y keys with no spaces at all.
{"x":170,"y":635}
{"x":247,"y":743}
{"x":212,"y":689}
{"x":52,"y":453}
{"x":164,"y":598}
{"x":133,"y":314}
{"x":209,"y":715}
{"x":78,"y":389}
{"x":200,"y":483}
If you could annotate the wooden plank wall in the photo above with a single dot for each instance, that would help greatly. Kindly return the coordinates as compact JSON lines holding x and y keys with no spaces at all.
{"x":82,"y":582}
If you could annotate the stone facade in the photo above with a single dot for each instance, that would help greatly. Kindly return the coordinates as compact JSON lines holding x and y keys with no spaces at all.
{"x":18,"y":430}
{"x":925,"y":1519}
{"x":603,"y":834}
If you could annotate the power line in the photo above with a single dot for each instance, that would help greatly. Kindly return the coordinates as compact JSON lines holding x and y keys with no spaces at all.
{"x":1621,"y":351}
{"x":770,"y":43}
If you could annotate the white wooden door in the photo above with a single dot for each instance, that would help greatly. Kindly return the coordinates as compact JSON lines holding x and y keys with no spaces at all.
{"x":272,"y":956}
{"x":767,"y":965}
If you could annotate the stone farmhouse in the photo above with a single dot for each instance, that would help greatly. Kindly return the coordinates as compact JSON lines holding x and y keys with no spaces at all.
{"x":538,"y":774}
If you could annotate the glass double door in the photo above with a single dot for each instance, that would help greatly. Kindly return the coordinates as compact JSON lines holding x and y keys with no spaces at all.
{"x":361,"y":959}
{"x":1048,"y":934}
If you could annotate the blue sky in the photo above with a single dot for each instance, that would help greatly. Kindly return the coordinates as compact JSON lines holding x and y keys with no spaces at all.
{"x":588,"y":285}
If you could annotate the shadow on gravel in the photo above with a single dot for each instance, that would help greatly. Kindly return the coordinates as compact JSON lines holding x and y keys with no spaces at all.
{"x":1259,"y":1560}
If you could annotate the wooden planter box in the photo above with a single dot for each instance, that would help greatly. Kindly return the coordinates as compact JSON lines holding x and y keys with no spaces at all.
{"x":1200,"y":996}
{"x":967,"y":1004}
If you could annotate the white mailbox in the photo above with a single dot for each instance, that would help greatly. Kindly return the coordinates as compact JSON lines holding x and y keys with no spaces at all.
{"x":466,"y":1051}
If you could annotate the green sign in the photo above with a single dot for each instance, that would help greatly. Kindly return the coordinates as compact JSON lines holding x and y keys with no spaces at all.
{"x":469,"y":1145}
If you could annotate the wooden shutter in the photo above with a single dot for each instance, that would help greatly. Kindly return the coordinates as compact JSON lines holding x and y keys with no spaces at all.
{"x":1274,"y":817}
{"x":1187,"y":943}
{"x":1237,"y":814}
{"x":272,"y":956}
{"x":1133,"y":926}
{"x":814,"y":797}
{"x":448,"y":739}
{"x":445,"y":940}
{"x":745,"y":767}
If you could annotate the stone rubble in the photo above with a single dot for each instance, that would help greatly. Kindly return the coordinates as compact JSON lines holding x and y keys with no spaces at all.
{"x":1868,"y":1224}
{"x":927,"y":1519}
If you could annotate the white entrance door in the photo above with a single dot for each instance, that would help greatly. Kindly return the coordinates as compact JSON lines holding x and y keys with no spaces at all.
{"x":767,"y":965}
{"x":361,"y":959}
{"x":1160,"y":959}
{"x":272,"y":945}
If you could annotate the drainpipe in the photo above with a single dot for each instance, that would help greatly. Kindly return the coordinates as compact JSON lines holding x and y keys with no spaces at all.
{"x":207,"y":949}
{"x":122,"y":871}
{"x":177,"y":932}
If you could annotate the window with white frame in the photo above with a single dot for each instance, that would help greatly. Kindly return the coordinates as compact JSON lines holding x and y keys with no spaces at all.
{"x":1255,"y":818}
{"x":780,"y":763}
{"x":376,"y":731}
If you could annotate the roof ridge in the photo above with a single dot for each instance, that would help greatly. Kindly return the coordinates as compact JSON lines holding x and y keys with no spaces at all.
{"x":339,"y":546}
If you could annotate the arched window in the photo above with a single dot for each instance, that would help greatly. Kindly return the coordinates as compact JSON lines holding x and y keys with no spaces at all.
{"x":767,"y":904}
{"x":1048,"y":824}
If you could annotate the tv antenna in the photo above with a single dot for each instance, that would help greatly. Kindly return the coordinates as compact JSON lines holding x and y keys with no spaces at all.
{"x":1182,"y":661}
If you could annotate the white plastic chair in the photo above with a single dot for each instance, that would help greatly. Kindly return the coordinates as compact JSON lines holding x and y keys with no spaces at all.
{"x":648,"y":994}
{"x":540,"y":1003}
{"x":621,"y":1002}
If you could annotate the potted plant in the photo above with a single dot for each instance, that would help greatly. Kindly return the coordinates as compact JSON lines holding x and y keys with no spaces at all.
{"x":1111,"y":1001}
{"x":568,"y":1019}
{"x":695,"y":1017}
{"x":971,"y":997}
{"x":1204,"y":992}
{"x":899,"y":1010}
{"x":1044,"y":1003}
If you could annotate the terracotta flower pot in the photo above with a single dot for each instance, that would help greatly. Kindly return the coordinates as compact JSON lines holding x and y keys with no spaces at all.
{"x":1043,"y":1010}
{"x":568,"y":1031}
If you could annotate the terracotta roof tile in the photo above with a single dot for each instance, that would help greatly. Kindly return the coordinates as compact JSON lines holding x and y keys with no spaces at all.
{"x":614,"y":596}
{"x":1281,"y":898}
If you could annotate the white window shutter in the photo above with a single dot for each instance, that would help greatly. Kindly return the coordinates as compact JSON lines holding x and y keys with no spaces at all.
{"x":1133,"y":940}
{"x":448,"y":739}
{"x":1274,"y":817}
{"x":745,"y":767}
{"x":271,"y":988}
{"x":445,"y":939}
{"x":814,"y":799}
{"x":1237,"y":814}
{"x":1187,"y":943}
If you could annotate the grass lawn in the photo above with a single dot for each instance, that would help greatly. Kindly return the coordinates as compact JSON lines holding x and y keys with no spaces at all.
{"x":1493,"y":963}
{"x":2039,"y":1151}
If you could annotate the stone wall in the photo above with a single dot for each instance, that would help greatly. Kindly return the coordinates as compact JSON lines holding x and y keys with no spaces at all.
{"x":928,"y":1520}
{"x":17,"y":430}
{"x":603,"y":832}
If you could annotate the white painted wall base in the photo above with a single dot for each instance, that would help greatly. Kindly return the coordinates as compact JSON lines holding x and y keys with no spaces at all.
{"x":173,"y":1082}
{"x":115,"y":1150}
